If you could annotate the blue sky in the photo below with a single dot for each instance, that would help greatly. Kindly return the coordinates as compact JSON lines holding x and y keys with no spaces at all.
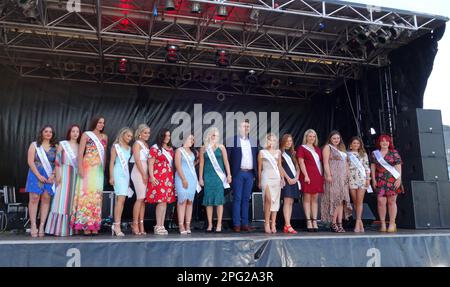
{"x":437,"y":94}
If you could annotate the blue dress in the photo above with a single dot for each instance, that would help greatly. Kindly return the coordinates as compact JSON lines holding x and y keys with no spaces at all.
{"x":121,"y":180}
{"x":189,"y":193}
{"x":33,"y":184}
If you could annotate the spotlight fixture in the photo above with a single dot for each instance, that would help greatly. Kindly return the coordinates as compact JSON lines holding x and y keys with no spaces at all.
{"x":162,"y":74}
{"x":109,"y":68}
{"x":29,"y":8}
{"x":135,"y":71}
{"x":172,"y":53}
{"x":322,"y":26}
{"x":69,"y":66}
{"x":90,"y":68}
{"x":235,"y":78}
{"x":222,"y":11}
{"x":220,"y":97}
{"x":148,"y":72}
{"x":170,"y":5}
{"x":222,"y":58}
{"x":196,"y":8}
{"x":209,"y":76}
{"x":187,"y":76}
{"x":275,"y":83}
{"x":251,"y":77}
{"x":123,"y":65}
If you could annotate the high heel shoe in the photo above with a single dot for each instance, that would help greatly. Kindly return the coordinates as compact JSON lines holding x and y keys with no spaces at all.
{"x":289,"y":229}
{"x":218,"y":229}
{"x":383,"y":227}
{"x":341,"y":229}
{"x":188,"y":227}
{"x":134,"y":227}
{"x":267,"y":228}
{"x":309,"y":229}
{"x":392,"y":230}
{"x":114,"y":231}
{"x":141,"y":227}
{"x":41,"y":233}
{"x":181,"y":228}
{"x":315,"y":229}
{"x":34,"y":231}
{"x":334,"y":227}
{"x":160,"y":230}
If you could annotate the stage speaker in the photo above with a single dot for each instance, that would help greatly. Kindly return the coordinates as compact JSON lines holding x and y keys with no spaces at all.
{"x":421,"y":145}
{"x":257,"y":207}
{"x":424,"y":205}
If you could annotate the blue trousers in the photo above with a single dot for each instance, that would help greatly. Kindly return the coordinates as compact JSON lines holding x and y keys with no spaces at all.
{"x":242,"y":190}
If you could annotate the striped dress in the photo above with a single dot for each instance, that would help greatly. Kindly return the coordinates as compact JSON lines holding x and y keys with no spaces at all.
{"x":58,"y":222}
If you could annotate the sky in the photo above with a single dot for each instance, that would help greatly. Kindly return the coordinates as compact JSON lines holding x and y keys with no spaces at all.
{"x":437,"y":94}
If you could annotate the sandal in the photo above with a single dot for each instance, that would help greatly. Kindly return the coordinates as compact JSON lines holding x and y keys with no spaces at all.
{"x":383,"y":226}
{"x":141,"y":227}
{"x":315,"y":229}
{"x":182,"y":229}
{"x":334,"y":227}
{"x":289,"y":229}
{"x":34,"y":231}
{"x":309,"y":229}
{"x":188,"y":227}
{"x":114,"y":231}
{"x":160,"y":230}
{"x":134,"y":227}
{"x":41,"y":233}
{"x":267,"y":228}
{"x":341,"y":229}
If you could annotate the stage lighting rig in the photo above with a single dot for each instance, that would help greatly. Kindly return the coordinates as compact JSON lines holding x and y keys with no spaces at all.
{"x":29,"y":8}
{"x":123,"y":65}
{"x":222,"y":58}
{"x":251,"y":77}
{"x":196,"y":8}
{"x":170,"y":5}
{"x":222,"y":11}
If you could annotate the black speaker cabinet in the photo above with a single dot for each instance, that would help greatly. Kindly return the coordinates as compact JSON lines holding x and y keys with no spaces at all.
{"x":424,"y":205}
{"x":420,"y":141}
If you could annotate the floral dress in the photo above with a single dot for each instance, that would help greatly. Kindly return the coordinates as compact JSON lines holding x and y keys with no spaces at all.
{"x":164,"y":191}
{"x":385,"y":180}
{"x":358,"y":180}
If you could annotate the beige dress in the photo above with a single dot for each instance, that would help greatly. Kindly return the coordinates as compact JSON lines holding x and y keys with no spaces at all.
{"x":271,"y":181}
{"x":338,"y":191}
{"x":358,"y":180}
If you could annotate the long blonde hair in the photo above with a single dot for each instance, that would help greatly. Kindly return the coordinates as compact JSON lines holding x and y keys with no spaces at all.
{"x":208,"y":135}
{"x":305,"y":136}
{"x":121,"y":133}
{"x":139,"y":130}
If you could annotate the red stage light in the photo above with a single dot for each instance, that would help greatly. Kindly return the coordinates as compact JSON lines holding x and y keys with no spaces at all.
{"x":123,"y":65}
{"x":222,"y":58}
{"x":172,"y":53}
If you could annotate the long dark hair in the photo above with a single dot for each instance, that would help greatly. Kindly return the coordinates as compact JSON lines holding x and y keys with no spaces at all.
{"x":40,"y":139}
{"x":94,"y":123}
{"x":341,"y":146}
{"x":161,"y":136}
{"x":283,"y":141}
{"x":70,"y":130}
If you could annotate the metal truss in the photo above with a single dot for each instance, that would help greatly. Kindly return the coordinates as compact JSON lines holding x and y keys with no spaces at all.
{"x":306,"y":46}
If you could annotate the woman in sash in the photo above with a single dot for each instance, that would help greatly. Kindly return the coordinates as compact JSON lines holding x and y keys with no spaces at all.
{"x":139,"y":176}
{"x":310,"y":160}
{"x":161,"y":184}
{"x":119,"y":175}
{"x":270,"y":181}
{"x":66,"y":178}
{"x":215,"y":176}
{"x":335,"y":202}
{"x":87,"y":208}
{"x":186,"y":183}
{"x":359,"y":180}
{"x":386,"y":170}
{"x":41,"y":177}
{"x":291,"y":173}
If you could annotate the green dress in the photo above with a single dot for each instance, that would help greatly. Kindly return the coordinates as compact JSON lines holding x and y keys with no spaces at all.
{"x":214,"y":192}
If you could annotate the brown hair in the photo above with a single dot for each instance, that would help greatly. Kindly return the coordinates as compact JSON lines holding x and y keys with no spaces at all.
{"x":94,"y":123}
{"x":283,"y":141}
{"x":341,"y":145}
{"x":362,"y":151}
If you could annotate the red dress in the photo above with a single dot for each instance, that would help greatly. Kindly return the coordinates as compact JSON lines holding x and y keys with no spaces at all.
{"x":164,"y":191}
{"x":316,"y":179}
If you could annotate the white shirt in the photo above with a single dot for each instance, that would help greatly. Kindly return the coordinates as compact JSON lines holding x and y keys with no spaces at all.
{"x":247,"y":160}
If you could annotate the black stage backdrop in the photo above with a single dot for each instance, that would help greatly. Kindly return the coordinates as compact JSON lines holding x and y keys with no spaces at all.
{"x":28,"y":104}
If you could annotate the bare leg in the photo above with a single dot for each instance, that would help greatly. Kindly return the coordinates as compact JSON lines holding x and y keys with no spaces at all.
{"x":267,"y":205}
{"x":273,"y":215}
{"x":181,"y":211}
{"x":136,"y":212}
{"x":307,"y":208}
{"x":118,"y":209}
{"x":392,"y":207}
{"x":359,"y":208}
{"x":382,"y":211}
{"x":209,"y":215}
{"x":32,"y":207}
{"x":287,"y":210}
{"x":141,"y":218}
{"x":219,"y":218}
{"x":315,"y":209}
{"x":45,"y":207}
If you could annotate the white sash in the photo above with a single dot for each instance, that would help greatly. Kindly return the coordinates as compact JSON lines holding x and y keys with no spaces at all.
{"x":288,"y":160}
{"x":70,"y":154}
{"x":144,"y":148}
{"x":124,"y":164}
{"x":191,"y":167}
{"x":360,"y":167}
{"x":387,"y":166}
{"x":271,"y":160}
{"x":45,"y":163}
{"x":98,"y":144}
{"x":216,"y":167}
{"x":165,"y":153}
{"x":315,"y":156}
{"x":342,"y":154}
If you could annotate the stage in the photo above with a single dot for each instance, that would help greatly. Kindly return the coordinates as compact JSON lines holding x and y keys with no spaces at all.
{"x":423,"y":248}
